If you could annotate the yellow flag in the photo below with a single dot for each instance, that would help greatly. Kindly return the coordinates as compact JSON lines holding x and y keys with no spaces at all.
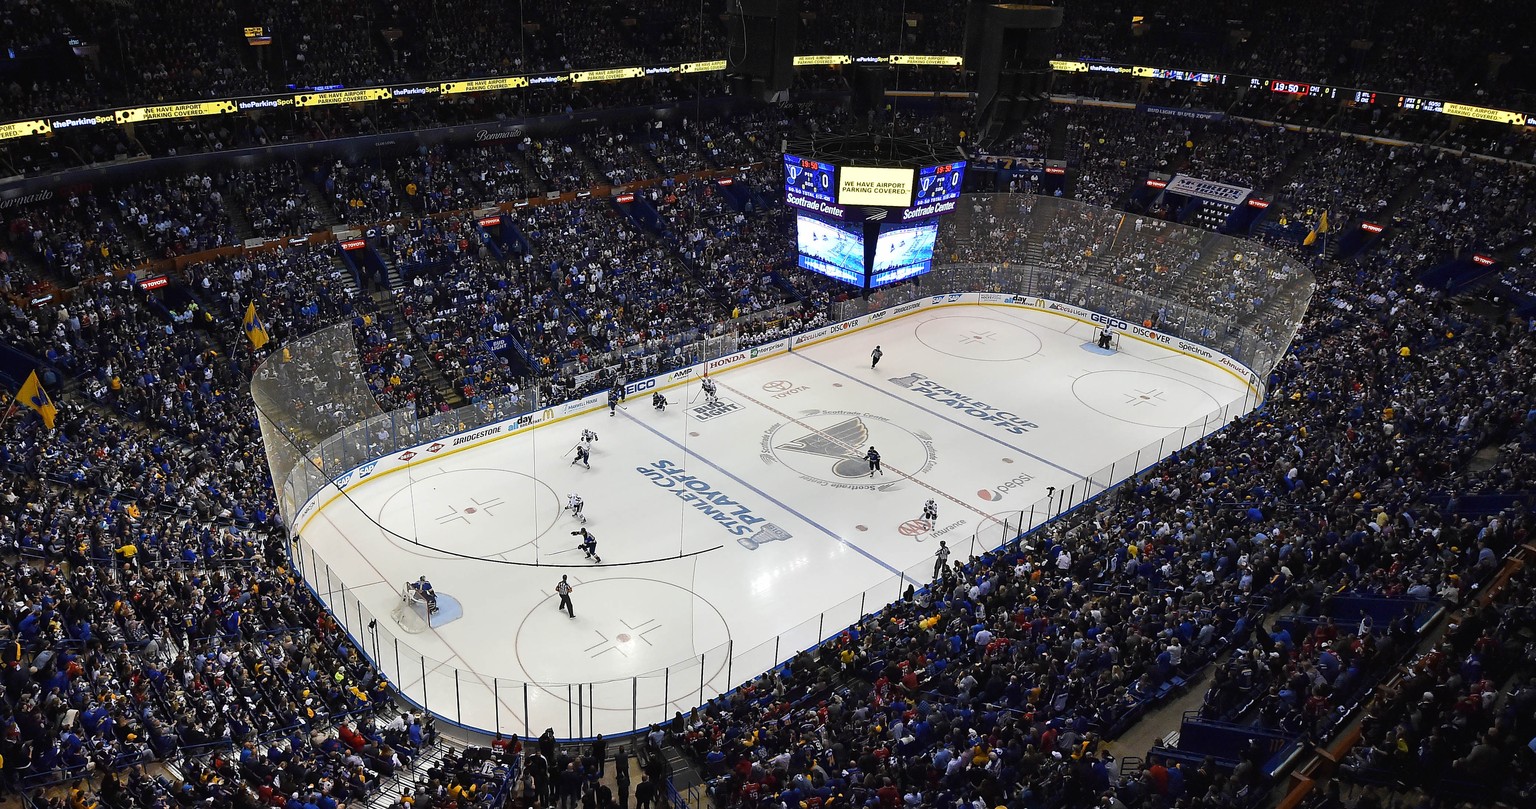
{"x":255,"y":330}
{"x":1322,"y":224}
{"x":1310,"y":240}
{"x":32,"y":395}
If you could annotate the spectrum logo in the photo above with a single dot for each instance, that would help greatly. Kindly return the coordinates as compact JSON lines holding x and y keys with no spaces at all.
{"x":995,"y":494}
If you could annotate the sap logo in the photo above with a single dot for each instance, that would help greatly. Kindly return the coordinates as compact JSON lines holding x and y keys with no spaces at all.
{"x":366,"y":469}
{"x":682,"y":374}
{"x":906,"y":307}
{"x":841,"y":327}
{"x":996,"y":492}
{"x":950,"y":298}
{"x":636,"y":387}
{"x":1112,"y":322}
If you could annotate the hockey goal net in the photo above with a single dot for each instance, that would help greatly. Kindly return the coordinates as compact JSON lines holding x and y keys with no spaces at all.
{"x":411,"y":613}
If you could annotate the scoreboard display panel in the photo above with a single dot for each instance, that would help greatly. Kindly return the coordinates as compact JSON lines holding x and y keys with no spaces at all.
{"x":903,"y":251}
{"x":938,"y":189}
{"x":830,"y":248}
{"x":808,"y":183}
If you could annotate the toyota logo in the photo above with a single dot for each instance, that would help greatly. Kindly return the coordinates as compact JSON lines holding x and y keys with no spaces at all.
{"x":777,"y":386}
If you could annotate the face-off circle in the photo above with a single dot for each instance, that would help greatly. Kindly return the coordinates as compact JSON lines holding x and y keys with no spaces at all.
{"x":1149,"y":400}
{"x":978,"y":338}
{"x":475,"y":512}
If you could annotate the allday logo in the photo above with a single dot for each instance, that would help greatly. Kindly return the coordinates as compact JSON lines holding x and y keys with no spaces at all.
{"x":923,"y":386}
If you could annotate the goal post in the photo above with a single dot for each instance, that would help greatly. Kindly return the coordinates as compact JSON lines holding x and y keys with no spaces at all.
{"x":411,"y":612}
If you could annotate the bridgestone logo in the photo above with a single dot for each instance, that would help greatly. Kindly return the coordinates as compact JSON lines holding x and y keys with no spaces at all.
{"x":476,"y":435}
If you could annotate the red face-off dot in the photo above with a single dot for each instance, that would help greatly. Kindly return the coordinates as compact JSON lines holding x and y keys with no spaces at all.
{"x":623,"y":638}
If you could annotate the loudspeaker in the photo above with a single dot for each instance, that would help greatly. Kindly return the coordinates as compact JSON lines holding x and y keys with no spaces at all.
{"x":1009,"y":48}
{"x":868,"y":88}
{"x":760,"y":46}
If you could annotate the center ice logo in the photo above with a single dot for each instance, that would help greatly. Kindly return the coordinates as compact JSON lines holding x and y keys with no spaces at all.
{"x":840,"y":442}
{"x":827,"y":447}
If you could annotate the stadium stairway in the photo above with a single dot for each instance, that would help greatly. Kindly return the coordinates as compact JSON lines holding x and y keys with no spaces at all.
{"x":322,"y":204}
{"x":403,"y":779}
{"x":389,"y":310}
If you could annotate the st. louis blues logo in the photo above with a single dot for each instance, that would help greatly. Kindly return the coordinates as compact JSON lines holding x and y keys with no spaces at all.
{"x":839,"y":442}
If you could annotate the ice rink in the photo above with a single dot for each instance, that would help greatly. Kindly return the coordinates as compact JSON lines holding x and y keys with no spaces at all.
{"x":734,"y":535}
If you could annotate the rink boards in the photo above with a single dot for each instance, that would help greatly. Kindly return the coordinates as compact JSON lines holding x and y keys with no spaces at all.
{"x":733,"y":536}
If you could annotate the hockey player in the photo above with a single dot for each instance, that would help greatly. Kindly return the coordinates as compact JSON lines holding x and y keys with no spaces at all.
{"x":1106,"y":337}
{"x":574,"y":504}
{"x":931,"y":511}
{"x":874,"y":357}
{"x":423,"y":588}
{"x":587,"y":437}
{"x":588,"y":544}
{"x":710,"y":397}
{"x":583,"y":454}
{"x":613,"y":399}
{"x":658,"y":401}
{"x":874,"y":462}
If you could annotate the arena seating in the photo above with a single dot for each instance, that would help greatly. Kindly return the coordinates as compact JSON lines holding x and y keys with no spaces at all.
{"x":147,"y":614}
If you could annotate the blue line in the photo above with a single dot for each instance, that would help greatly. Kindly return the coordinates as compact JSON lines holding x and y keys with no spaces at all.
{"x":774,"y":500}
{"x":994,"y":439}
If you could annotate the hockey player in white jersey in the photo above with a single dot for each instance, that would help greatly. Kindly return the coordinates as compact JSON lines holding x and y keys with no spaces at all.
{"x":574,"y":504}
{"x":710,"y":395}
{"x":931,"y":510}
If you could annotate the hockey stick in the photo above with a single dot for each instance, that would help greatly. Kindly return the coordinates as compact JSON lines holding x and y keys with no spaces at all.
{"x":695,"y":396}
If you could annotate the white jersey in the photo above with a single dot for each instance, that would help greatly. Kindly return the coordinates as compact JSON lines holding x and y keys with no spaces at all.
{"x":587,"y":437}
{"x":574,"y":503}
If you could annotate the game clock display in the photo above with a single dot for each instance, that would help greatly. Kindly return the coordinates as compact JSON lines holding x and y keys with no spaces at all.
{"x":808,"y":182}
{"x":939,"y":183}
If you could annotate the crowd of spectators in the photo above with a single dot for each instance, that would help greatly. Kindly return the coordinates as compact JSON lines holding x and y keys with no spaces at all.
{"x":179,"y":626}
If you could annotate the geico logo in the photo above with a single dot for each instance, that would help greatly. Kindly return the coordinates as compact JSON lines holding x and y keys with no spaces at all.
{"x":835,"y":328}
{"x":477,"y":435}
{"x":1113,"y":323}
{"x":644,"y":384}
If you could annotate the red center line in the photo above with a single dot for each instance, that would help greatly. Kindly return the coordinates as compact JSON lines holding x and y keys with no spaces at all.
{"x":940,"y":492}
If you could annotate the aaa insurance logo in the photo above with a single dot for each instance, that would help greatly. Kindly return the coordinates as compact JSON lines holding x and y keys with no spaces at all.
{"x":827,"y":447}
